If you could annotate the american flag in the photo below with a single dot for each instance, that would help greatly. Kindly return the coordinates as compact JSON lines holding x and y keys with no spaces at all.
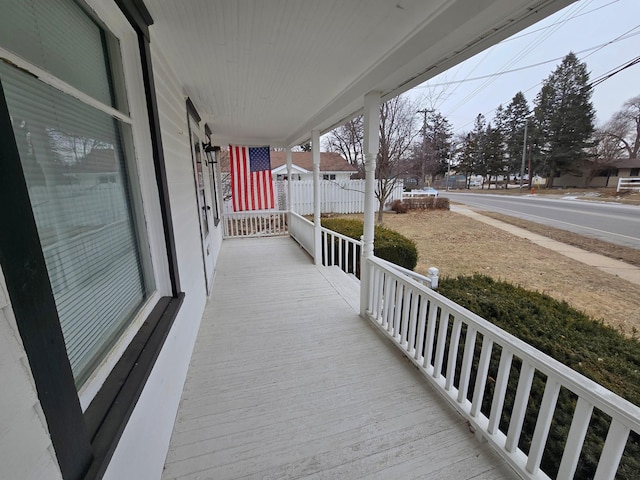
{"x":251,"y":185}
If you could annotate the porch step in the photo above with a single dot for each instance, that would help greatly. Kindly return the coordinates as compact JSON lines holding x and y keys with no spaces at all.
{"x":346,"y":284}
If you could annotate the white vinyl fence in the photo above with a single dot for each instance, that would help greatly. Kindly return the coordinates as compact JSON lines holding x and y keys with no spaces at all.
{"x":335,"y":196}
{"x":628,"y":184}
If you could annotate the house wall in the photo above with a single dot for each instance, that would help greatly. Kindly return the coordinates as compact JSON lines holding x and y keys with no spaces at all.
{"x":581,"y":182}
{"x":25,"y":445}
{"x":340,"y":176}
{"x":142,"y":449}
{"x":26,"y":449}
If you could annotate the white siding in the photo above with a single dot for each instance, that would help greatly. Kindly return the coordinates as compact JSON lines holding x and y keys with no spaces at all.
{"x":143,"y":446}
{"x":26,"y":451}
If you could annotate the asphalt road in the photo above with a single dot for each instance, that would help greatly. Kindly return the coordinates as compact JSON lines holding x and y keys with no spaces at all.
{"x":613,"y":223}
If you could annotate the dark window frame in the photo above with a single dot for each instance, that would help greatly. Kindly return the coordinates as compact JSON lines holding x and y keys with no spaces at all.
{"x":83,"y":442}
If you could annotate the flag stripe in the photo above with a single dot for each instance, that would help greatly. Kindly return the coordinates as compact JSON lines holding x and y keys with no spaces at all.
{"x":251,"y":182}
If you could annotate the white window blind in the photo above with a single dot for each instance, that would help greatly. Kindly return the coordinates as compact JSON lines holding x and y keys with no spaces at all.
{"x":72,"y":155}
{"x":59,"y":37}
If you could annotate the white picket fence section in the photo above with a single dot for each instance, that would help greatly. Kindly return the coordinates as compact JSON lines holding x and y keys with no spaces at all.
{"x":335,"y":196}
{"x":259,"y":223}
{"x":632,"y":183}
{"x":425,"y":325}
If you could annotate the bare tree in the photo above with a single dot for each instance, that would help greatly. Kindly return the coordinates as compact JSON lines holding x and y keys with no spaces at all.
{"x":397,"y":133}
{"x":624,"y":127}
{"x":604,"y":153}
{"x":347,"y":140}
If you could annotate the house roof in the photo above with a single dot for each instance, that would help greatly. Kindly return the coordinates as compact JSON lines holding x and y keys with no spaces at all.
{"x":329,"y":161}
{"x":268,"y":72}
{"x":628,"y":163}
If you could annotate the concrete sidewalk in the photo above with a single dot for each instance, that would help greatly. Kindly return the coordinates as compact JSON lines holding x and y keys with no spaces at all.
{"x":606,"y":264}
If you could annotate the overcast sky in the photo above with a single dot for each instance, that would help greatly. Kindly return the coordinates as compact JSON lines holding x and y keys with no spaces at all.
{"x":579,"y":28}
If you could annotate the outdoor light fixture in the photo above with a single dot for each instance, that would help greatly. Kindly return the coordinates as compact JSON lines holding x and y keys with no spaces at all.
{"x":210,"y":151}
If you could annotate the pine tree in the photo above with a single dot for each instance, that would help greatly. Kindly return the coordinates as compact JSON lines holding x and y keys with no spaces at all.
{"x":515,"y":117}
{"x":494,"y":153}
{"x":479,"y":135}
{"x":564,"y":117}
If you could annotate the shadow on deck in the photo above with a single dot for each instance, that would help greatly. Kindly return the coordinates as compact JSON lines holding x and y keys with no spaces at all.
{"x":287,"y":381}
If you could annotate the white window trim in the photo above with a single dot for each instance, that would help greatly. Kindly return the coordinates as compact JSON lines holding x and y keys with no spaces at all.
{"x":115,"y":21}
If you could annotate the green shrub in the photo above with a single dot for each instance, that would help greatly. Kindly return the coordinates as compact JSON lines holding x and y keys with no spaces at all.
{"x":591,"y":348}
{"x":387,"y":244}
{"x":399,"y":207}
{"x":426,"y":203}
{"x":442,"y":203}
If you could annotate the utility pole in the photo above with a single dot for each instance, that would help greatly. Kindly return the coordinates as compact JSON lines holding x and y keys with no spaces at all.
{"x":524,"y":155}
{"x":449,"y":171}
{"x":424,"y":143}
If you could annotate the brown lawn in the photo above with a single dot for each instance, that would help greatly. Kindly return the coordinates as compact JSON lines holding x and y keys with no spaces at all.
{"x":458,"y":245}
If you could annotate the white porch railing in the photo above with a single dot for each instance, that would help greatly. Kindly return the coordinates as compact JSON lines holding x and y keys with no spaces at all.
{"x":341,"y":251}
{"x":263,"y":223}
{"x":301,"y":230}
{"x":503,"y":386}
{"x":441,"y":339}
{"x":628,"y":184}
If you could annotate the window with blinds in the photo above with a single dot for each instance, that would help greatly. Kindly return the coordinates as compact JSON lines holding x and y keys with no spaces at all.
{"x":77,"y":173}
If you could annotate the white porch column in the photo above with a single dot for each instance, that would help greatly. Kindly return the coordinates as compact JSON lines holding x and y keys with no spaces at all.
{"x":315,"y":155}
{"x":371,"y":147}
{"x":289,"y":206}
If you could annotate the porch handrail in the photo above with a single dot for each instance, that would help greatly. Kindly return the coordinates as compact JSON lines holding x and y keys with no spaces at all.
{"x":301,"y":230}
{"x":410,"y":314}
{"x":341,"y":251}
{"x":426,"y":280}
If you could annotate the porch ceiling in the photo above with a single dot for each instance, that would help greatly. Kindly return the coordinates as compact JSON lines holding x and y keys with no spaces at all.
{"x":270,"y":71}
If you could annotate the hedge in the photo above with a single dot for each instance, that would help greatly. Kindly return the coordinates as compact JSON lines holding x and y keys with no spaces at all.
{"x":593,"y":349}
{"x":387,"y":244}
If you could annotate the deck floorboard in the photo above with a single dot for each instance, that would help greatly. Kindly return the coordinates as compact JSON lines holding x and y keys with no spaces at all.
{"x":287,"y":381}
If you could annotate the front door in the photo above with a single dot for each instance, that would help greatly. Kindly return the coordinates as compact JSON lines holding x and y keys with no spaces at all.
{"x":203,"y":197}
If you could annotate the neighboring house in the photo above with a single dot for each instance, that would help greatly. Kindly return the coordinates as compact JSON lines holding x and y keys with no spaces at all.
{"x":333,"y":166}
{"x":600,"y":176}
{"x":106,"y":270}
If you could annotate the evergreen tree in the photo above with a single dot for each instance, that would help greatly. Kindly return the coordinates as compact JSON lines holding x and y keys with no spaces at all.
{"x":564,"y":117}
{"x":515,"y":118}
{"x":494,"y":158}
{"x":467,"y":156}
{"x":431,"y":156}
{"x":479,"y":135}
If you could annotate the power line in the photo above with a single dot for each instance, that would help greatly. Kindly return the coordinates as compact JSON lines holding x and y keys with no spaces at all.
{"x":525,"y":51}
{"x":624,"y":36}
{"x":612,"y":72}
{"x":515,"y":37}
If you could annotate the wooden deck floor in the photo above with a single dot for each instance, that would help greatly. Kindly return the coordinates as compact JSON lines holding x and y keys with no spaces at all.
{"x":287,"y":381}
